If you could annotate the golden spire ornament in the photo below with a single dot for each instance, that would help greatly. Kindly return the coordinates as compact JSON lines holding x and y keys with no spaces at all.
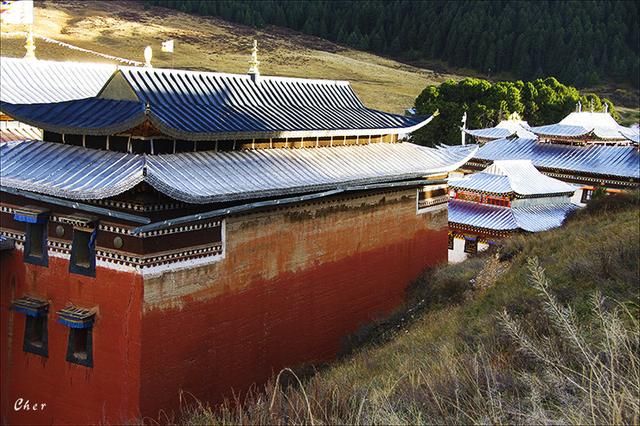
{"x":254,"y":62}
{"x":30,"y":45}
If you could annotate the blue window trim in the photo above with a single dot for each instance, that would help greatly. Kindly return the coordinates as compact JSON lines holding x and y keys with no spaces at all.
{"x":27,"y":346}
{"x":88,"y":361}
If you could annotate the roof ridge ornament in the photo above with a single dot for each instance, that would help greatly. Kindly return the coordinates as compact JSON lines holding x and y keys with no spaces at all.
{"x":514,"y":116}
{"x":579,"y":106}
{"x":148,"y":54}
{"x":254,"y":71}
{"x":30,"y":45}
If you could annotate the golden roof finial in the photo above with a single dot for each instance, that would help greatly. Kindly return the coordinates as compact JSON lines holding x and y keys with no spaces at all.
{"x":254,"y":62}
{"x":30,"y":46}
{"x":514,"y":116}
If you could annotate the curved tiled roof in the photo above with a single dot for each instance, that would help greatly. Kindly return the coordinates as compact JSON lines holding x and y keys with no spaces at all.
{"x":504,"y":129}
{"x":618,"y":161}
{"x":631,"y":134}
{"x":168,"y":86}
{"x":19,"y":133}
{"x":93,"y":116}
{"x":597,"y":125}
{"x":529,"y":218}
{"x":490,"y":133}
{"x":206,"y":177}
{"x":215,"y":106}
{"x":512,"y":176}
{"x":33,"y":82}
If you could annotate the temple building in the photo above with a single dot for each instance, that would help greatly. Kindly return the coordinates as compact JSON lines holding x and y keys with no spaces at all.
{"x":510,"y":196}
{"x":587,"y":128}
{"x":199,"y":231}
{"x":587,"y":149}
{"x":26,"y":81}
{"x":514,"y":126}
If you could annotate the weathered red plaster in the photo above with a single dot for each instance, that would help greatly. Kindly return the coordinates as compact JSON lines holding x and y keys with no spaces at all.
{"x":108,"y":392}
{"x":241,"y":338}
{"x":292,"y":284}
{"x":234,"y":328}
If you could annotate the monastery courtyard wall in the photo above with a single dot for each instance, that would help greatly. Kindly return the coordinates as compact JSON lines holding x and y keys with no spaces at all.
{"x":293,"y":283}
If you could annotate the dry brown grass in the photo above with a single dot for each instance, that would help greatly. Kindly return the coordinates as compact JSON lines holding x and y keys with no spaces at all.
{"x":553,"y":340}
{"x":124,"y":28}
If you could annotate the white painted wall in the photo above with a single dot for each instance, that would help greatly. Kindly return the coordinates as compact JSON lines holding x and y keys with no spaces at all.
{"x":457,"y":255}
{"x":577,"y":197}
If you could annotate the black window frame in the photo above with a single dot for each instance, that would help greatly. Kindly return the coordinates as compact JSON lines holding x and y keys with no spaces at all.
{"x":586,"y":196}
{"x":29,"y":257}
{"x":74,"y":335}
{"x":88,"y":269}
{"x":471,"y":245}
{"x":451,"y":242}
{"x":28,"y":345}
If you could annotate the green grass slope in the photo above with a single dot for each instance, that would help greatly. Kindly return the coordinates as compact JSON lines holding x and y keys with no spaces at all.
{"x":544,"y":330}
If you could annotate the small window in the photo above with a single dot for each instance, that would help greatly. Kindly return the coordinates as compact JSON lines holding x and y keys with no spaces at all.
{"x":35,"y":245}
{"x":118,"y":143}
{"x":79,"y":349}
{"x":35,"y":220}
{"x":586,"y":196}
{"x":451,"y":241}
{"x":83,"y":256}
{"x":35,"y":335}
{"x":470,"y":245}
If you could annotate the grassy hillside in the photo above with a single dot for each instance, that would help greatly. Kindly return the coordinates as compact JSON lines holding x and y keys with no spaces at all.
{"x":545,"y":330}
{"x":124,"y":28}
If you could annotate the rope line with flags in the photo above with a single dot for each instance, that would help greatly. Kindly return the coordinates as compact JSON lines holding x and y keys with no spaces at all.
{"x":71,"y":46}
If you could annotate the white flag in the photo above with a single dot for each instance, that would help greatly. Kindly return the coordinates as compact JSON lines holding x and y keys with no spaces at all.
{"x":17,"y":11}
{"x":167,"y":46}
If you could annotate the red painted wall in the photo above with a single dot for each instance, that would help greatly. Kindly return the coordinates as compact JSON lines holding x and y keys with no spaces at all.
{"x":292,"y":286}
{"x":108,"y":392}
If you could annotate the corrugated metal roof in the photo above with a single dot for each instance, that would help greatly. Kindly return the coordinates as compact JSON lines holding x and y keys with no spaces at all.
{"x":563,"y":130}
{"x":490,"y":133}
{"x":620,"y":161}
{"x":206,"y":177}
{"x":600,"y":125}
{"x":19,"y":133}
{"x":89,"y":116}
{"x":589,"y":119}
{"x":542,"y":218}
{"x":631,"y":134}
{"x":211,"y":106}
{"x":504,"y":129}
{"x":484,"y":182}
{"x":169,"y":86}
{"x":481,"y":215}
{"x":512,"y":176}
{"x":28,"y":82}
{"x":530,"y":218}
{"x":68,"y":171}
